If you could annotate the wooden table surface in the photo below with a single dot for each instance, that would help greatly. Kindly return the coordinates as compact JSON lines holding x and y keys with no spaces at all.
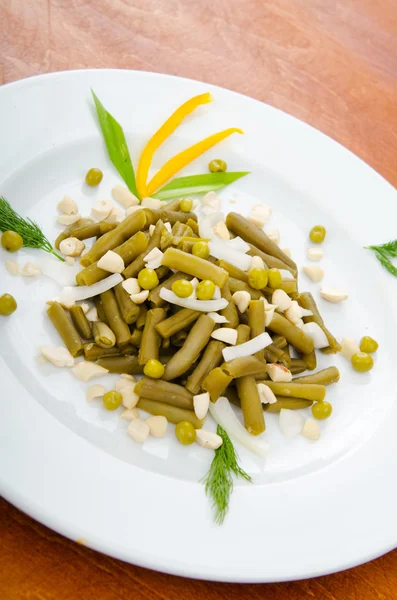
{"x":332,"y":64}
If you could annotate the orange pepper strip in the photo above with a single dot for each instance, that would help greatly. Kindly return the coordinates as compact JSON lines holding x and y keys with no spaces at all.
{"x":185,"y":157}
{"x":162,"y":134}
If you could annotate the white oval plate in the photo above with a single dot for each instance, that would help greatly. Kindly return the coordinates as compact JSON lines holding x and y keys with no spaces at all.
{"x":315,"y":507}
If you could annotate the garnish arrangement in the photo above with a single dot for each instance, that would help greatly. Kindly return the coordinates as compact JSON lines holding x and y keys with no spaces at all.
{"x":203,"y":307}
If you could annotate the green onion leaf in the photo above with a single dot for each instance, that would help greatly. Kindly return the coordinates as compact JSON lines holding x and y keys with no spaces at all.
{"x":198,"y":184}
{"x":116,"y":145}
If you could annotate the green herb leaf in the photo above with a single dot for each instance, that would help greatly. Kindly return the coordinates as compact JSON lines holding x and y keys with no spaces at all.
{"x":29,"y":231}
{"x":116,"y":145}
{"x":382,"y":253}
{"x":198,"y":184}
{"x":219,"y":480}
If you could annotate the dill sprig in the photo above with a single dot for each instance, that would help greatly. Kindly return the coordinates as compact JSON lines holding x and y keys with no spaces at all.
{"x":383,"y":252}
{"x":29,"y":231}
{"x":219,"y":479}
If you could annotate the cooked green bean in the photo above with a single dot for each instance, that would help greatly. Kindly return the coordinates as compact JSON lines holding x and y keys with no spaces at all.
{"x":103,"y":335}
{"x":128,"y":251}
{"x":181,"y":319}
{"x":179,"y":338}
{"x":173,"y":205}
{"x":129,"y":310}
{"x":150,"y":343}
{"x":307,"y":301}
{"x":93,"y":352}
{"x":180,"y":230}
{"x":162,"y":272}
{"x":323,"y":377}
{"x":166,"y":240}
{"x":247,"y":365}
{"x":211,"y":358}
{"x":196,"y":341}
{"x":307,"y":391}
{"x":279,"y":341}
{"x":164,"y":391}
{"x":105,"y":226}
{"x":81,"y":322}
{"x":216,"y":382}
{"x":289,"y":286}
{"x":65,"y":328}
{"x":233,"y":271}
{"x":295,"y":336}
{"x":285,"y":358}
{"x":230,"y":311}
{"x":136,"y":337}
{"x":138,"y":263}
{"x":140,"y":322}
{"x":273,"y":353}
{"x":165,"y":343}
{"x":193,"y":226}
{"x":310,"y":360}
{"x":172,"y":216}
{"x":251,"y":405}
{"x":154,"y":295}
{"x":270,"y":261}
{"x":114,"y":318}
{"x":243,"y":334}
{"x":235,"y":285}
{"x":69,"y":231}
{"x":297,"y":366}
{"x":121,"y":364}
{"x":256,"y":321}
{"x":289,"y":403}
{"x":111,"y":240}
{"x":253,"y":235}
{"x":173,"y":414}
{"x":195,"y":266}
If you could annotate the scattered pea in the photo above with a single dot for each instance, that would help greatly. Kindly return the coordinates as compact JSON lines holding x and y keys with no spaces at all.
{"x":8,"y":305}
{"x":274,"y":278}
{"x":11,"y":241}
{"x":257,"y":278}
{"x":153,"y":368}
{"x":185,"y":432}
{"x":147,"y":279}
{"x":368,"y":345}
{"x":321,"y":410}
{"x":362,"y":362}
{"x":201,"y":249}
{"x":112,"y":400}
{"x":205,"y":290}
{"x":182,"y":288}
{"x":317,"y":234}
{"x":186,"y":204}
{"x":217,"y":166}
{"x":93,"y":177}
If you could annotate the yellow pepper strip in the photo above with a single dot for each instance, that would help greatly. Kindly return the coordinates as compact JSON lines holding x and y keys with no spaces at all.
{"x":161,"y":135}
{"x":185,"y":157}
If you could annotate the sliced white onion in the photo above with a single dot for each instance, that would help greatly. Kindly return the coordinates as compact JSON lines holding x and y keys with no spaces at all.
{"x":193,"y":303}
{"x":305,"y":312}
{"x":69,"y":295}
{"x":291,"y":422}
{"x":218,"y":318}
{"x":225,"y":416}
{"x":286,"y":274}
{"x":317,"y":334}
{"x":207,"y":223}
{"x":217,"y":293}
{"x":248,"y":348}
{"x":238,"y":244}
{"x":228,"y":335}
{"x":222,"y":251}
{"x":61,"y":273}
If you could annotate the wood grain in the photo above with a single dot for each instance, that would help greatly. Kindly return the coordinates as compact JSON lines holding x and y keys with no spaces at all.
{"x":331,"y":64}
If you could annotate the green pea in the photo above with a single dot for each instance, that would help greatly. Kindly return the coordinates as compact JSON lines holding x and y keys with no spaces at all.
{"x":112,"y":400}
{"x":93,"y":177}
{"x":8,"y":305}
{"x":182,"y":288}
{"x":368,"y":345}
{"x":274,"y":278}
{"x":153,"y":369}
{"x":205,"y":290}
{"x":217,"y":166}
{"x":11,"y":241}
{"x":201,"y":249}
{"x":362,"y":362}
{"x":317,"y":234}
{"x":185,"y":432}
{"x":186,"y":204}
{"x":147,"y":279}
{"x":257,"y":278}
{"x":321,"y":410}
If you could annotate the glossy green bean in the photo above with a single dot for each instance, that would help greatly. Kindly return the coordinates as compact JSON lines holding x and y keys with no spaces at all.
{"x":235,"y":285}
{"x":323,"y":377}
{"x":310,"y":360}
{"x":150,"y":342}
{"x":193,"y":226}
{"x":129,"y":310}
{"x":112,"y":239}
{"x":285,"y":358}
{"x":196,"y":341}
{"x":65,"y":328}
{"x":230,"y":312}
{"x":173,"y":414}
{"x":273,"y":353}
{"x":195,"y":266}
{"x":93,"y":352}
{"x":307,"y":301}
{"x":247,"y":365}
{"x":251,"y":405}
{"x":295,"y":336}
{"x":215,"y":383}
{"x":243,"y":334}
{"x":164,"y":391}
{"x":172,"y":205}
{"x":297,"y":366}
{"x":233,"y":271}
{"x":289,"y":286}
{"x":256,"y":321}
{"x":289,"y":403}
{"x":211,"y":358}
{"x":105,"y":226}
{"x":114,"y":318}
{"x":79,"y":225}
{"x":181,"y":319}
{"x":103,"y":335}
{"x":81,"y":322}
{"x":99,"y":310}
{"x":138,"y":263}
{"x":307,"y":391}
{"x":154,"y":296}
{"x":181,"y":230}
{"x":121,"y":364}
{"x":279,"y":341}
{"x":179,"y":338}
{"x":170,"y":216}
{"x":136,"y":337}
{"x":140,"y":322}
{"x":253,"y":235}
